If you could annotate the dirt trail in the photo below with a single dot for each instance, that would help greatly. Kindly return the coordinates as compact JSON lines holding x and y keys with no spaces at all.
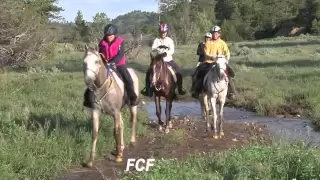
{"x":241,"y":128}
{"x":187,"y":136}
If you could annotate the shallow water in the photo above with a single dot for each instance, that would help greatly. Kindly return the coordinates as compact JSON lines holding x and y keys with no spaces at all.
{"x":288,"y":128}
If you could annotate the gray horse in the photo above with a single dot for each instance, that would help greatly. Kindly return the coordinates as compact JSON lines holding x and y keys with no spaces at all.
{"x":109,"y":98}
{"x":216,"y":88}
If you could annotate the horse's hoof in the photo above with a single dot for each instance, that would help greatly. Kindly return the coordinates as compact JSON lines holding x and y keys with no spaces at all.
{"x":133,"y":144}
{"x":118,"y":159}
{"x":89,"y":164}
{"x":114,"y":153}
{"x":167,"y":130}
{"x":160,"y":128}
{"x":214,"y":137}
{"x":170,"y":125}
{"x":221,"y":134}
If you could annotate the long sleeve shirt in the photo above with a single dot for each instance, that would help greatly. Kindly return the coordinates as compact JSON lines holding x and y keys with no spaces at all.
{"x":167,"y":41}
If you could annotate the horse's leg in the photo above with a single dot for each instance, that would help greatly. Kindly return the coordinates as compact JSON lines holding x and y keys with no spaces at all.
{"x":158,"y":112}
{"x":134,"y":109}
{"x":118,"y":134}
{"x":168,"y":114}
{"x":205,"y":109}
{"x":170,"y":108}
{"x":133,"y":120}
{"x":95,"y":128}
{"x":222,"y":103}
{"x":214,"y":115}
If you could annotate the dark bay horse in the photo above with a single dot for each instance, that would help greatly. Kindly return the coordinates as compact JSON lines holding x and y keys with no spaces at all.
{"x":164,"y":83}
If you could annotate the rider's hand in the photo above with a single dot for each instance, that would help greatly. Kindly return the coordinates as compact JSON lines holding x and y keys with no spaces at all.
{"x":163,"y":46}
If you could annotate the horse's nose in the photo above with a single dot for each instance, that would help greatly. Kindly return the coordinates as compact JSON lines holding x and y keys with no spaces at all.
{"x":89,"y":75}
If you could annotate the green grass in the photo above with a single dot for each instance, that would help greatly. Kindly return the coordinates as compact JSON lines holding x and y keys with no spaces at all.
{"x":278,"y":162}
{"x":43,"y":128}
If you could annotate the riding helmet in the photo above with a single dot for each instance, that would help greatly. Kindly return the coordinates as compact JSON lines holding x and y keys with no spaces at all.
{"x":163,"y":28}
{"x":110,"y":29}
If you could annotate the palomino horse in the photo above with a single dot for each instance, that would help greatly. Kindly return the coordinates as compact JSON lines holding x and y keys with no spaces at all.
{"x":110,"y":96}
{"x":216,"y":88}
{"x":164,"y":82}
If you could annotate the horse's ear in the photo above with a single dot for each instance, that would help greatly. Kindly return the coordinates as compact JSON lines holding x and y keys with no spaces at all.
{"x":86,"y":49}
{"x":96,"y":47}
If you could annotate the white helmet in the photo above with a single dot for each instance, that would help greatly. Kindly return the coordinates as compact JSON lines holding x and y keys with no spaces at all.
{"x":215,"y":29}
{"x":209,"y":35}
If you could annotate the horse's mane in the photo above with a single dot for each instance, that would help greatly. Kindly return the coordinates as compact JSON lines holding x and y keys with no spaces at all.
{"x":92,"y":50}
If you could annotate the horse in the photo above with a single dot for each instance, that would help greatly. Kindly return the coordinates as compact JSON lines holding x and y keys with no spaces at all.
{"x":215,"y":88}
{"x":110,"y":98}
{"x":164,"y":81}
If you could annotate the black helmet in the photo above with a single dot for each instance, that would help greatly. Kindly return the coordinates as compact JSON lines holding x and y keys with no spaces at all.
{"x":110,"y":29}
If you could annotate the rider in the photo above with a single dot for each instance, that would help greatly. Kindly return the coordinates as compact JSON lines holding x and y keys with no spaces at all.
{"x":112,"y":47}
{"x":200,"y":50}
{"x":213,"y":49}
{"x":164,"y":40}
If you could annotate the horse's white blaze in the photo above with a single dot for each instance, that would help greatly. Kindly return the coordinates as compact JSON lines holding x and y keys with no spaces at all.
{"x":223,"y":65}
{"x":90,"y":75}
{"x":93,"y":66}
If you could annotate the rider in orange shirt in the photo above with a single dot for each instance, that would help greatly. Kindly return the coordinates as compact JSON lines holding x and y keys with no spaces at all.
{"x":213,"y":49}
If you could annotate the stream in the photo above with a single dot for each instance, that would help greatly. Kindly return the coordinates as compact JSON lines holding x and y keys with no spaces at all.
{"x":287,"y":128}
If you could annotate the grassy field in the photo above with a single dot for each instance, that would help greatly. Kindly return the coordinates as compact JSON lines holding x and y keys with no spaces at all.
{"x":44,"y":128}
{"x":280,"y":162}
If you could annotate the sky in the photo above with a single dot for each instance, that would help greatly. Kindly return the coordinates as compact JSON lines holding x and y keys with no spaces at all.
{"x":112,"y":8}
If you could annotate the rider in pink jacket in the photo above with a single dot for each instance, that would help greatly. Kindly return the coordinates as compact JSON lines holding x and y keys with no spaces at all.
{"x":112,"y":47}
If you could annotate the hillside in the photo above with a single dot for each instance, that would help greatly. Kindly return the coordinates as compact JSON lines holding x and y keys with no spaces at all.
{"x":142,"y":20}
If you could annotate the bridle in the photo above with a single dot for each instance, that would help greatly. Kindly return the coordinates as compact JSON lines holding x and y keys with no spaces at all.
{"x":225,"y":77}
{"x":98,"y":90}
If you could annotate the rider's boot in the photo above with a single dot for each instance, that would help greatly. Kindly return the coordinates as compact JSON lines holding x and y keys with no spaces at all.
{"x":231,"y":89}
{"x":197,"y":90}
{"x":88,"y":97}
{"x":180,"y":82}
{"x":147,"y":91}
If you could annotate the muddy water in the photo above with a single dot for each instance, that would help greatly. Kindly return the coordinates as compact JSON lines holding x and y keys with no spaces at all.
{"x":286,"y":128}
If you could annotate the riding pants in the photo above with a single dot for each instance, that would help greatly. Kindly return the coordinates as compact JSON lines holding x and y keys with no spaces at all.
{"x":201,"y":71}
{"x":123,"y":70}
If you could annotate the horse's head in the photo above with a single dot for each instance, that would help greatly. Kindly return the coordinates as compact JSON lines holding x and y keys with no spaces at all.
{"x":93,"y":66}
{"x":157,"y":65}
{"x":221,"y":66}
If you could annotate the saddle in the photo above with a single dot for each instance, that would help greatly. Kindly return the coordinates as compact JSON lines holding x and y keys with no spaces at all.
{"x":173,"y":72}
{"x":111,"y":69}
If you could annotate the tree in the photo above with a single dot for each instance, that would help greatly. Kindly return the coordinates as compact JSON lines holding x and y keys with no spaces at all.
{"x":100,"y":20}
{"x":81,"y":30}
{"x":25,"y":30}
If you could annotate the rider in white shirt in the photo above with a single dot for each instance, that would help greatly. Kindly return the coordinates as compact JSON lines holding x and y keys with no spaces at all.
{"x":164,"y":40}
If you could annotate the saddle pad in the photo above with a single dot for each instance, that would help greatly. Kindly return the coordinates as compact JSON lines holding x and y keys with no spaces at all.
{"x":173,"y":73}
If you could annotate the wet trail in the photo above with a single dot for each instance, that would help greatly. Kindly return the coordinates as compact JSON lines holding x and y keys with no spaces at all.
{"x":188,"y":137}
{"x":288,"y":128}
